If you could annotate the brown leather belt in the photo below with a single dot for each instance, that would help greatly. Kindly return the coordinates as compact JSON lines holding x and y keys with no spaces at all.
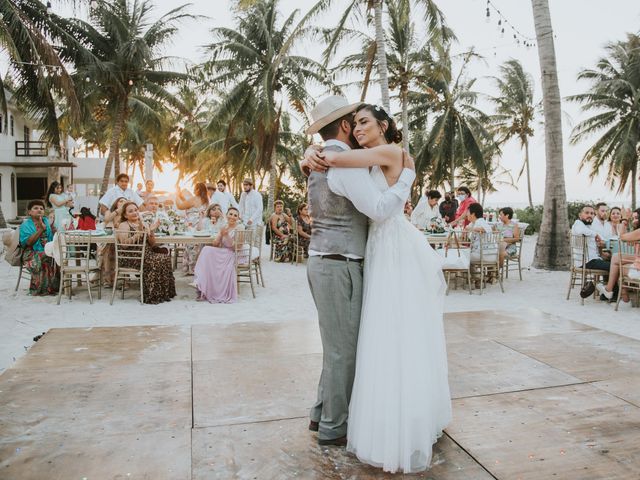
{"x":342,"y":258}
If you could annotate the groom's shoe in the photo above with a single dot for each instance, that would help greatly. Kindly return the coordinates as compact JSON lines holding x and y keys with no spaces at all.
{"x":340,"y":441}
{"x":313,"y":426}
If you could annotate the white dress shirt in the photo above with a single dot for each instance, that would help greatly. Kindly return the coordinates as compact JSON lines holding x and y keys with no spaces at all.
{"x":357,"y":185}
{"x":602,"y":228}
{"x":251,"y":207}
{"x":423,"y":213}
{"x":224,"y":199}
{"x":579,"y":228}
{"x":116,"y":192}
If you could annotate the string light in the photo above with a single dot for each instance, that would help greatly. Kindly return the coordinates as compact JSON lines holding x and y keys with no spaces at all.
{"x":48,"y":8}
{"x":93,"y":4}
{"x":518,"y":37}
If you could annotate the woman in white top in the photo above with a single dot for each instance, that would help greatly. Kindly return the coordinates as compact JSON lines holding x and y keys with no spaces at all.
{"x":61,"y":203}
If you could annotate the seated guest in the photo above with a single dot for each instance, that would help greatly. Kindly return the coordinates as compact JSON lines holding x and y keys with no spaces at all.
{"x":121,"y":189}
{"x":213,"y":219}
{"x":600,"y":224}
{"x":107,"y":251}
{"x":87,"y":220}
{"x":478,"y":226}
{"x":194,"y":207}
{"x":408,"y":209}
{"x":593,"y":259}
{"x":304,"y":227}
{"x":158,"y":282}
{"x":149,"y":186}
{"x":465,"y":200}
{"x":35,"y":232}
{"x":510,"y":233}
{"x":153,"y":215}
{"x":426,"y":210}
{"x":280,"y":233}
{"x":448,"y":207}
{"x":215,"y":273}
{"x":635,"y":219}
{"x":615,"y":217}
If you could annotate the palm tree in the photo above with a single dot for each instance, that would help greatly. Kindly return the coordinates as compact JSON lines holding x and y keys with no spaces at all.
{"x":615,"y":83}
{"x":122,"y":61}
{"x":458,"y":133}
{"x":257,"y":66}
{"x":515,"y":111}
{"x":552,"y":249}
{"x":361,"y":9}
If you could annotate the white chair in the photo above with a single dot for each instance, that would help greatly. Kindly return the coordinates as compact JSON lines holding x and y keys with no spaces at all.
{"x":130,"y":248}
{"x":456,"y":255}
{"x":625,"y":281}
{"x":488,"y":260}
{"x":579,"y":273}
{"x":256,"y":261}
{"x":75,"y":260}
{"x":243,"y":245}
{"x":514,"y":262}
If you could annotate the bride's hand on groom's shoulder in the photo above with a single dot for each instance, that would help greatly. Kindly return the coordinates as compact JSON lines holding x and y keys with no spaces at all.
{"x":313,"y":160}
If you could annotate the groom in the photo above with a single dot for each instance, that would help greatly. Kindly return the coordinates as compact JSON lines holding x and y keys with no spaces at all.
{"x":340,"y":200}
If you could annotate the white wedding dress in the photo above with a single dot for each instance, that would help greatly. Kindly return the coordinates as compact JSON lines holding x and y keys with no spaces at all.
{"x":400,"y":401}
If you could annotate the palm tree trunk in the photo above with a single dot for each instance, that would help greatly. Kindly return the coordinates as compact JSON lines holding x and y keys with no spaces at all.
{"x":383,"y":72}
{"x":404,"y":94}
{"x":273,"y":174}
{"x":114,"y":147}
{"x":552,"y":249}
{"x":3,"y":222}
{"x":634,"y":176}
{"x":526,"y":163}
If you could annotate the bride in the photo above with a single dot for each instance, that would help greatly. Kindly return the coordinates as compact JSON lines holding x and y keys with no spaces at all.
{"x":400,"y":401}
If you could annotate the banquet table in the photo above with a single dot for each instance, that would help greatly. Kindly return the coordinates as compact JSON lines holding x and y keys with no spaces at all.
{"x":189,"y":239}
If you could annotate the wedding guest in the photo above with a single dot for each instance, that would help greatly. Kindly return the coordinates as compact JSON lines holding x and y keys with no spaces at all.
{"x":426,"y":210}
{"x":107,"y":251}
{"x":215,"y":274}
{"x":635,"y":219}
{"x":478,"y":226}
{"x":600,"y":224}
{"x":408,"y":210}
{"x":149,"y":185}
{"x":121,"y":189}
{"x":510,"y":233}
{"x":61,"y":204}
{"x":158,"y":281}
{"x":87,"y":220}
{"x":448,"y":207}
{"x":153,"y":215}
{"x":615,"y":220}
{"x":194,"y":208}
{"x":304,"y":228}
{"x":250,"y":205}
{"x":465,"y":200}
{"x":139,"y":189}
{"x":280,"y":233}
{"x":35,"y":232}
{"x":212,"y":219}
{"x":223,"y":197}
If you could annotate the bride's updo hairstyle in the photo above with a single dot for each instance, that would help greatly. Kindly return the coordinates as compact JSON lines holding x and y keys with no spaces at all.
{"x":391,"y":134}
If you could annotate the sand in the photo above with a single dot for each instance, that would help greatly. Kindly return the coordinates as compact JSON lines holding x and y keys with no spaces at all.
{"x":285,"y":298}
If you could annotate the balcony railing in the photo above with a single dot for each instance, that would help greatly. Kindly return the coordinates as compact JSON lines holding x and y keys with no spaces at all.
{"x":32,"y":148}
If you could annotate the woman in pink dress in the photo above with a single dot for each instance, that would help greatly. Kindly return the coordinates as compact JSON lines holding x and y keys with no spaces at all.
{"x":215,"y":271}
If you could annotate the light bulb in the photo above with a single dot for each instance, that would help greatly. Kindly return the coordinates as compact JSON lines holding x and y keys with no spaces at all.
{"x":48,"y":8}
{"x":87,"y":78}
{"x":130,"y":82}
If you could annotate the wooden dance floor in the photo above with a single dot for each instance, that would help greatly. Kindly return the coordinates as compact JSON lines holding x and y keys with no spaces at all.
{"x":535,"y":397}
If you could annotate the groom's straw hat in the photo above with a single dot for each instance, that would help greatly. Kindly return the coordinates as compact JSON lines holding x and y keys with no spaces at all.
{"x":328,"y":110}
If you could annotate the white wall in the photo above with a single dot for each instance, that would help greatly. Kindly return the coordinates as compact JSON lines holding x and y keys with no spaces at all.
{"x":9,"y":208}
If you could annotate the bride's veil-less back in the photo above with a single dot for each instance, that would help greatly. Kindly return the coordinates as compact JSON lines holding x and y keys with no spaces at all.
{"x":400,"y":402}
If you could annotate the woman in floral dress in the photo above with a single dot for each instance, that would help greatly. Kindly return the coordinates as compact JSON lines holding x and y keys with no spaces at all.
{"x":304,"y":227}
{"x":35,"y":231}
{"x":280,"y":233}
{"x":158,"y":282}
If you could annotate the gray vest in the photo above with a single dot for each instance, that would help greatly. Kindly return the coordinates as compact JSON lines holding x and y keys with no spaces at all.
{"x":337,"y":226}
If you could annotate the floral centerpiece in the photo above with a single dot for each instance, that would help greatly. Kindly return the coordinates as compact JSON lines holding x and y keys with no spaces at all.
{"x":170,"y":221}
{"x":435,"y":225}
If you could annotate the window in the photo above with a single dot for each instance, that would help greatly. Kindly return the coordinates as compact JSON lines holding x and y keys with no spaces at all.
{"x":11,"y":131}
{"x":27,"y":133}
{"x":13,"y":188}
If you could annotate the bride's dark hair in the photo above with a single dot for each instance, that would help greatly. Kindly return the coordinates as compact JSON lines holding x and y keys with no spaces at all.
{"x":391,"y":134}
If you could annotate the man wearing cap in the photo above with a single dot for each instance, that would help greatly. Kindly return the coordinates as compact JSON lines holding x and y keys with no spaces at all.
{"x":250,"y":204}
{"x":341,"y":200}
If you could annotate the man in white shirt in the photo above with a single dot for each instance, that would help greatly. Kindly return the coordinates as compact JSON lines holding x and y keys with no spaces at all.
{"x":121,"y":189}
{"x":426,"y":209}
{"x":582,"y":226}
{"x":223,"y":197}
{"x":251,"y":205}
{"x":600,"y":224}
{"x":478,"y":226}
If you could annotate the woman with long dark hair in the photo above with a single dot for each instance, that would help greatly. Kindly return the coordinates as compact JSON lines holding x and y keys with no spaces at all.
{"x":61,"y":204}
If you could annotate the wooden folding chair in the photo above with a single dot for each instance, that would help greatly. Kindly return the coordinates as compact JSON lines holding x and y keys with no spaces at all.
{"x":75,"y":260}
{"x":130,"y":248}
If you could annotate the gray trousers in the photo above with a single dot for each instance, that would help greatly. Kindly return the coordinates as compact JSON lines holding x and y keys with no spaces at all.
{"x":336,"y":287}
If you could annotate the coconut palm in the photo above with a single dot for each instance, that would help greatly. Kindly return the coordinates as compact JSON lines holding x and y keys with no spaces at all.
{"x":614,"y":96}
{"x":552,"y":249}
{"x":257,"y":66}
{"x":361,"y":10}
{"x":458,"y":131}
{"x":122,"y":63}
{"x":515,"y":111}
